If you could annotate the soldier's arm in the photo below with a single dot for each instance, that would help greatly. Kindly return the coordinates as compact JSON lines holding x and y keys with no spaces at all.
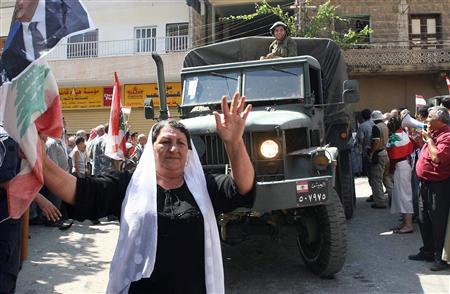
{"x":291,"y":48}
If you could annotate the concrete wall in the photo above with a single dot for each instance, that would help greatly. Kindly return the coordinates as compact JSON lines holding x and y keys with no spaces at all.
{"x":197,"y":25}
{"x":99,"y":71}
{"x":389,"y":19}
{"x":387,"y":92}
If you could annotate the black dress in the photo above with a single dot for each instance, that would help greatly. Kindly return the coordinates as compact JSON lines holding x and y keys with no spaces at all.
{"x":179,"y":265}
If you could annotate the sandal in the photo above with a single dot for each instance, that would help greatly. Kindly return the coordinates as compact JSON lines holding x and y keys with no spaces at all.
{"x":402,"y":231}
{"x":400,"y":226}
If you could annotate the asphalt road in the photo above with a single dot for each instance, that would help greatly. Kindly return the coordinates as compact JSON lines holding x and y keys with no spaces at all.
{"x":77,"y":261}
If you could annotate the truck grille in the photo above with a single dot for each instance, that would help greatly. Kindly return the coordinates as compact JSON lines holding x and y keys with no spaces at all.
{"x":212,"y":151}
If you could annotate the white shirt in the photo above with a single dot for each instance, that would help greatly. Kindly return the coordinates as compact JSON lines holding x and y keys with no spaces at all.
{"x":39,"y":17}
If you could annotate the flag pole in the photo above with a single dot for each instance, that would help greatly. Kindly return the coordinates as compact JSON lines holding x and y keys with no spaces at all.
{"x":24,"y":236}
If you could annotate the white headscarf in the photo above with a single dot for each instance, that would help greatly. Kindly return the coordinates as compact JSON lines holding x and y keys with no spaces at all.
{"x":135,"y":254}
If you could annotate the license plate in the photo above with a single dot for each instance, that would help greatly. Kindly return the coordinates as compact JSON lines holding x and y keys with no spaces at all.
{"x":311,"y":192}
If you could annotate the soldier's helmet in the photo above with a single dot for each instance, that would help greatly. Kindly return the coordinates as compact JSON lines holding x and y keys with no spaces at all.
{"x":277,"y":24}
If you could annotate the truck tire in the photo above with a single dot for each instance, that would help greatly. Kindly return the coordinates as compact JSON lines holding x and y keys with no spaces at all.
{"x":345,"y":183}
{"x":322,"y":237}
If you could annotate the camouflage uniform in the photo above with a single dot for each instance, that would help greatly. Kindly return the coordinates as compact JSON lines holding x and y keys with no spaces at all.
{"x":286,"y":48}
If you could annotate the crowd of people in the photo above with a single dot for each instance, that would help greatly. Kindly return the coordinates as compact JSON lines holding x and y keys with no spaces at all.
{"x":407,"y":162}
{"x":83,"y":155}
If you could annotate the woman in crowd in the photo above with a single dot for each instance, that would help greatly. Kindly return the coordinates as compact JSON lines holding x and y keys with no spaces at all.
{"x":399,"y":148}
{"x":168,"y":239}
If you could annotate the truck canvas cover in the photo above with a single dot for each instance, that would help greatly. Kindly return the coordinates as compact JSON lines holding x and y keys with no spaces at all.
{"x":327,"y":53}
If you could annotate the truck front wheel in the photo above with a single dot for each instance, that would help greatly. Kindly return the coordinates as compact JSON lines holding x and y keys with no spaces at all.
{"x":322,"y":237}
{"x":345,"y":183}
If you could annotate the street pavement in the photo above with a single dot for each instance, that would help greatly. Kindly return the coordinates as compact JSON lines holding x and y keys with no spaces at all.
{"x":77,"y":260}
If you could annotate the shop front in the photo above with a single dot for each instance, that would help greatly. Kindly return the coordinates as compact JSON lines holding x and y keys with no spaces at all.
{"x":87,"y":107}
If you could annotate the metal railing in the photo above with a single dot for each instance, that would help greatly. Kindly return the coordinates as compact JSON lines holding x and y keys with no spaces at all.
{"x":120,"y":47}
{"x":396,"y":56}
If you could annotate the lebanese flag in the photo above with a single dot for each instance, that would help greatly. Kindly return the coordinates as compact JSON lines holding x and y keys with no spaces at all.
{"x":420,"y":101}
{"x":302,"y":187}
{"x":115,"y":148}
{"x":31,"y":106}
{"x":447,"y":79}
{"x":399,"y":145}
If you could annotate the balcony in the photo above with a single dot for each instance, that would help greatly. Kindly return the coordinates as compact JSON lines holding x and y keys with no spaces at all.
{"x":129,"y":47}
{"x":397,"y":60}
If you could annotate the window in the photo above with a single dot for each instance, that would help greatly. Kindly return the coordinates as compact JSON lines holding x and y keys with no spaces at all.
{"x":177,"y":37}
{"x":145,"y":39}
{"x":83,"y":45}
{"x":355,"y":23}
{"x":425,"y":31}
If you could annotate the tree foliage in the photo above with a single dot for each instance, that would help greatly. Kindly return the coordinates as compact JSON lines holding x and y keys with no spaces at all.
{"x":321,"y":24}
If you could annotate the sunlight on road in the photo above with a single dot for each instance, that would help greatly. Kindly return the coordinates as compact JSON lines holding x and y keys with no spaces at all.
{"x":439,"y":284}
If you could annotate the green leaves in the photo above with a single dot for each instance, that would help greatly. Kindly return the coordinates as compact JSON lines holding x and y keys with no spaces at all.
{"x":322,"y":24}
{"x":265,"y":8}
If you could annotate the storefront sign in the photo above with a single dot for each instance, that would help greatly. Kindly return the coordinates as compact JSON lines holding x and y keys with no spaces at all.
{"x":81,"y":98}
{"x":136,"y":94}
{"x":107,"y":96}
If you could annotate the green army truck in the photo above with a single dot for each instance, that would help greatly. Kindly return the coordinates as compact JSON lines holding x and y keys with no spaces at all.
{"x":297,"y":136}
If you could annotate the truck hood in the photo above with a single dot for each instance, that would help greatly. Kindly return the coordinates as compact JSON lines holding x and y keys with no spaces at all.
{"x":256,"y":121}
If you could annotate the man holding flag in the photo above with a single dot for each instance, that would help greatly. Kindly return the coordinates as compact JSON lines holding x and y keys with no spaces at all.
{"x":29,"y":105}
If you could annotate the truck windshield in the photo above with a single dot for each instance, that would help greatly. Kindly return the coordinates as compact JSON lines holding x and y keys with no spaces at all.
{"x":277,"y":82}
{"x":209,"y":88}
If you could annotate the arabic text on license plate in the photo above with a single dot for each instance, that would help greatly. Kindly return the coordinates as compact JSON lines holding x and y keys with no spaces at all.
{"x":311,"y":192}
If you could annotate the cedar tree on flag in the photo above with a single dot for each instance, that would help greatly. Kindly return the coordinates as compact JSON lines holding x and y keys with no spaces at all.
{"x":32,"y":106}
{"x":115,"y":148}
{"x":29,"y":93}
{"x":399,"y":145}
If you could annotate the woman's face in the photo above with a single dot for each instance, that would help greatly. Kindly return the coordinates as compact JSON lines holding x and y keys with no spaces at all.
{"x":170,"y":149}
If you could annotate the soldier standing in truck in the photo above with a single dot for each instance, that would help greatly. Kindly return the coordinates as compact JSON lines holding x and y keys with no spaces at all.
{"x":283,"y":45}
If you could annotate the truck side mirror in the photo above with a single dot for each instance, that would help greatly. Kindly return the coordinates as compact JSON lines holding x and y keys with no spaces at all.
{"x":350,"y":94}
{"x":149,"y":110}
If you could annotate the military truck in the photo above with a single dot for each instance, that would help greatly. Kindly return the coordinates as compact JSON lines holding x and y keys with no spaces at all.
{"x":297,"y":136}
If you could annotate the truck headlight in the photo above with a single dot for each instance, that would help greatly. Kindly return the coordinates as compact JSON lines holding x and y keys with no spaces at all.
{"x":320,"y":160}
{"x":269,"y":149}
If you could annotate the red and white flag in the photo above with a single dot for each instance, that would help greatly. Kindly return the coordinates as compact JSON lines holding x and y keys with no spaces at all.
{"x":420,"y":101}
{"x":447,"y":79}
{"x":31,"y":106}
{"x":302,"y":187}
{"x":399,"y":145}
{"x":116,"y":148}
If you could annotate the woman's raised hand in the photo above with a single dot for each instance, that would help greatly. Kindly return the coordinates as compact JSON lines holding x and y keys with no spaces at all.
{"x":230,"y":123}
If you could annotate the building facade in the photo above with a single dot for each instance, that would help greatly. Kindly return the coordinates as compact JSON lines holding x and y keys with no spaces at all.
{"x":126,"y":35}
{"x":408,"y":52}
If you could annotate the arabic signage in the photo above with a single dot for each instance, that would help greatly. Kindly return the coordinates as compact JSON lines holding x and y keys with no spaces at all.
{"x":134,"y":95}
{"x":107,"y":96}
{"x":81,"y":98}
